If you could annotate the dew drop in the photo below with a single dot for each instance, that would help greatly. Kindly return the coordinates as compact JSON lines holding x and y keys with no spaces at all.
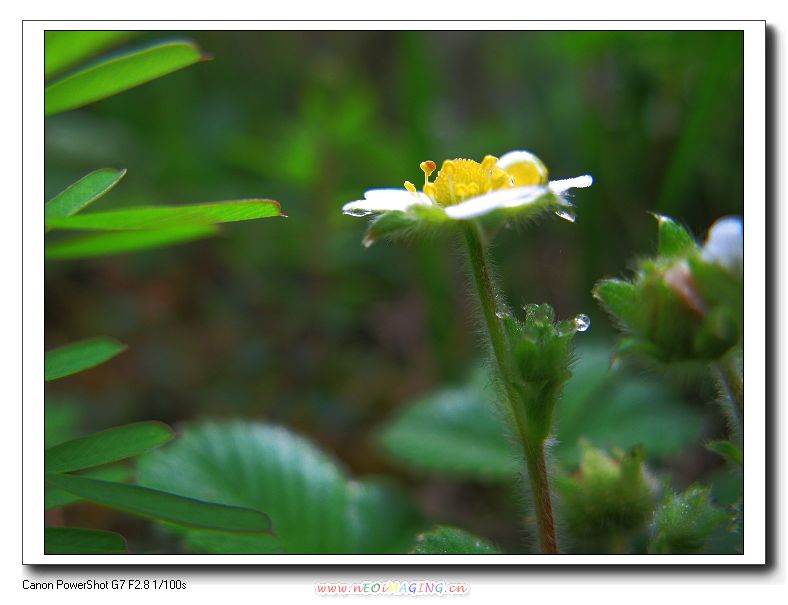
{"x":565,"y":214}
{"x":356,"y":212}
{"x":502,"y":314}
{"x":582,"y":322}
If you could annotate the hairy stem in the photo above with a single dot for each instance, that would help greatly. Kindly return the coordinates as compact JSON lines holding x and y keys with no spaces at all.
{"x":533,"y":449}
{"x":732,"y":384}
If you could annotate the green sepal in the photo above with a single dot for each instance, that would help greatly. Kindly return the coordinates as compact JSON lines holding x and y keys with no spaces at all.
{"x":620,"y":298}
{"x":387,"y":224}
{"x":728,"y":450}
{"x":674,"y":240}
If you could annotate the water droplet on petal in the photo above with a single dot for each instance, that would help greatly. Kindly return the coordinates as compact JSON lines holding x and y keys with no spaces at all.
{"x":356,"y":212}
{"x":566,"y":214}
{"x":582,"y":322}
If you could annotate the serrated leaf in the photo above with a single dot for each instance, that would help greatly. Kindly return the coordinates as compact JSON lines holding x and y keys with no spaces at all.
{"x":106,"y":446}
{"x":167,"y":217}
{"x":84,"y":192}
{"x":107,"y":244}
{"x":453,"y":431}
{"x":314,"y":505}
{"x":56,"y":498}
{"x":674,"y":240}
{"x":78,"y":541}
{"x":118,"y":74}
{"x":157,"y":504}
{"x":64,"y":49}
{"x":79,"y":356}
{"x":443,"y":540}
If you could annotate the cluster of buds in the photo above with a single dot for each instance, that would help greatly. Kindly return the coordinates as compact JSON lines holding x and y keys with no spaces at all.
{"x":685,"y":304}
{"x":541,"y":352}
{"x":607,"y":495}
{"x":685,"y":523}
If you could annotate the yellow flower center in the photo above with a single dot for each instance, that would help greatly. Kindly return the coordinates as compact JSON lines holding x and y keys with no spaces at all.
{"x":461,"y":179}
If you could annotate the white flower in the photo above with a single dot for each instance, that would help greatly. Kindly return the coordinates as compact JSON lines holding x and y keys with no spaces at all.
{"x":725,"y":243}
{"x":465,"y":189}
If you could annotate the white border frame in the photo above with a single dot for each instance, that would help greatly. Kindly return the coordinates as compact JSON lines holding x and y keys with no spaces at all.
{"x":755,"y":296}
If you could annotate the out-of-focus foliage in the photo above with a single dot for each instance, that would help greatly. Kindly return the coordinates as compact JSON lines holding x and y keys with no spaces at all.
{"x":295,"y":323}
{"x":459,"y":431}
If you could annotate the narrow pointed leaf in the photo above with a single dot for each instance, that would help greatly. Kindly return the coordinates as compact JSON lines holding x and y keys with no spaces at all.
{"x":674,"y":240}
{"x":79,"y":541}
{"x":82,"y":193}
{"x":155,"y":504}
{"x":121,"y":242}
{"x":79,"y":356}
{"x":163,"y":217}
{"x":56,"y":498}
{"x":106,"y":446}
{"x":443,"y":540}
{"x":118,"y":74}
{"x":64,"y":49}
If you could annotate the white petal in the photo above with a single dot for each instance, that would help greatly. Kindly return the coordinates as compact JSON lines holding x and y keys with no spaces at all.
{"x":563,"y":185}
{"x":503,"y":198}
{"x":384,"y":200}
{"x":516,"y":157}
{"x":725,"y":243}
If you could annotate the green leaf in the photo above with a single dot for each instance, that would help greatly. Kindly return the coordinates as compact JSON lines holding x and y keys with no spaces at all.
{"x":62,"y":419}
{"x":443,"y":540}
{"x":118,"y":74}
{"x":162,"y":217}
{"x":454,"y":431}
{"x":674,"y":240}
{"x":729,"y":451}
{"x":79,"y":356}
{"x":78,"y":541}
{"x":314,"y":505}
{"x":56,"y":498}
{"x":82,"y":193}
{"x":106,"y":244}
{"x":156,"y":504}
{"x":64,"y":49}
{"x":106,"y":446}
{"x":621,"y":409}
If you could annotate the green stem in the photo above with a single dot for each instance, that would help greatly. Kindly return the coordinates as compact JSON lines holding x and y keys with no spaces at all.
{"x":732,"y":383}
{"x":533,"y":449}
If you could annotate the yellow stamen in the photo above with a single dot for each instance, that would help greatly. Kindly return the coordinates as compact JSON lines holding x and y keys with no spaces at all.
{"x":427,"y":167}
{"x":410,"y":186}
{"x":461,"y":179}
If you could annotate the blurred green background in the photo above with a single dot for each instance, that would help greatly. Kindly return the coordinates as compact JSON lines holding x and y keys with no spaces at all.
{"x":291,"y":320}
